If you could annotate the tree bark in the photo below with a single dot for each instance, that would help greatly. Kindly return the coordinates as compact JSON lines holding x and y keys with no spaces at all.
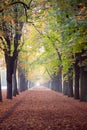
{"x":60,"y":79}
{"x":76,"y":80}
{"x":9,"y":66}
{"x":83,"y":75}
{"x":0,"y":90}
{"x":83,"y":84}
{"x":15,"y":90}
{"x":55,"y":83}
{"x":52,"y":84}
{"x":23,"y":83}
{"x":65,"y":87}
{"x":70,"y":83}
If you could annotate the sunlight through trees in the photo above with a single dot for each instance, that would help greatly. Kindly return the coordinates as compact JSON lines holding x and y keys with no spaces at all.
{"x":45,"y":40}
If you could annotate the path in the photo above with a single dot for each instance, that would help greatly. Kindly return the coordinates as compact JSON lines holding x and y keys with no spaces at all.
{"x":43,"y":109}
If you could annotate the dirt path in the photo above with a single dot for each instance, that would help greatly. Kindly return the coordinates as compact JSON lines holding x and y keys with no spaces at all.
{"x":43,"y":109}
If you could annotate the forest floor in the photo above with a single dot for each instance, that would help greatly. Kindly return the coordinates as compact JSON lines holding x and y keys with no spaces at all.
{"x":42,"y":109}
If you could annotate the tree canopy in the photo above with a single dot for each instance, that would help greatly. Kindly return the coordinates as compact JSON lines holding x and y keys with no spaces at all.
{"x":54,"y":35}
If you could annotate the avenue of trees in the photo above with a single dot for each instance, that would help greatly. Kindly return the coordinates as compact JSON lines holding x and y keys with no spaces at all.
{"x":54,"y":38}
{"x":68,"y":36}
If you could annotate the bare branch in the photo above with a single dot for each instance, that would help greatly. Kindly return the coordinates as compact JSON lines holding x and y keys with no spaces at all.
{"x":17,"y":2}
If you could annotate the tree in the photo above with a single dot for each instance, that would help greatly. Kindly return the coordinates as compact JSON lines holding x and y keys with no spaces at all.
{"x":73,"y":24}
{"x":11,"y":27}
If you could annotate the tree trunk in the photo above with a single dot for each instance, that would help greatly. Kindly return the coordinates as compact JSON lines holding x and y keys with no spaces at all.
{"x":15,"y":90}
{"x":76,"y":81}
{"x":83,"y":84}
{"x":65,"y":87}
{"x":70,"y":94}
{"x":23,"y":83}
{"x":30,"y":84}
{"x":0,"y":90}
{"x":70,"y":83}
{"x":55,"y":83}
{"x":9,"y":67}
{"x":83,"y":75}
{"x":60,"y":79}
{"x":9,"y":85}
{"x":52,"y":84}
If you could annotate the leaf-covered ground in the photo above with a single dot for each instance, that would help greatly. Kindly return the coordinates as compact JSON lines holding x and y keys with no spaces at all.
{"x":42,"y":109}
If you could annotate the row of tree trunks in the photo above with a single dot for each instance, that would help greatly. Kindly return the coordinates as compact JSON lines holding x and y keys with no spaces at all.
{"x":30,"y":84}
{"x":56,"y":81}
{"x":76,"y":84}
{"x":77,"y":88}
{"x":11,"y":65}
{"x":12,"y":90}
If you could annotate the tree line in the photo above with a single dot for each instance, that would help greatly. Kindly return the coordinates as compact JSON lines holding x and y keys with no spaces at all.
{"x":61,"y":26}
{"x":68,"y":36}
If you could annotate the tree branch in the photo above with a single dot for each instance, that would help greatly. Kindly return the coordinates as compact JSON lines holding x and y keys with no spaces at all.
{"x":49,"y":73}
{"x":59,"y":56}
{"x":14,"y":3}
{"x":4,"y":49}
